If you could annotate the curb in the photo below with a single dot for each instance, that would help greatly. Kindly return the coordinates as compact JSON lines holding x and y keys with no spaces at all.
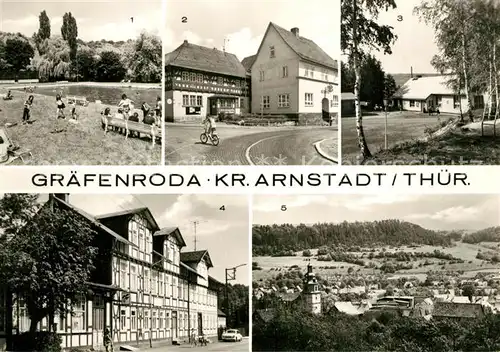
{"x":321,"y":152}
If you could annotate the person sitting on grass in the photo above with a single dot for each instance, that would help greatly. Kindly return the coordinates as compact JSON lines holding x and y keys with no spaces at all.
{"x":60,"y":107}
{"x":27,"y":109}
{"x":149,"y":119}
{"x":8,"y":96}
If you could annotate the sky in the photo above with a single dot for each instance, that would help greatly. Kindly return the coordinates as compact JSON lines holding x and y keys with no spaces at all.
{"x":244,"y":22}
{"x":434,"y":212}
{"x":224,"y":233}
{"x":96,"y":20}
{"x":415,"y":45}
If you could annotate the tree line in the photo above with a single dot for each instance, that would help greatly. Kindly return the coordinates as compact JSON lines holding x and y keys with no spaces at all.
{"x":51,"y":57}
{"x":269,"y":240}
{"x":377,"y":85}
{"x":293,"y":329}
{"x":491,"y":234}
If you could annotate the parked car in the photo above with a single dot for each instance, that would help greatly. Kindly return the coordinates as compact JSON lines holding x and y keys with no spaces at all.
{"x":232,"y":335}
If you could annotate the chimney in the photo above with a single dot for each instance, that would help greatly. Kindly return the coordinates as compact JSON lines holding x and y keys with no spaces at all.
{"x":309,"y":269}
{"x":295,"y":31}
{"x":411,"y":71}
{"x":185,"y":41}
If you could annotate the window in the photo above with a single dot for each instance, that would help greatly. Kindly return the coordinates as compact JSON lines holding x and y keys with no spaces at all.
{"x":266,"y":102}
{"x":167,"y":286}
{"x":309,"y":99}
{"x":311,"y":72}
{"x":185,"y":100}
{"x":199,"y":100}
{"x":192,"y":100}
{"x":262,"y":76}
{"x":133,"y":277}
{"x":123,"y":319}
{"x":133,"y":319}
{"x":146,"y":281}
{"x":123,"y":275}
{"x":185,"y":76}
{"x":242,"y":103}
{"x":78,"y":319}
{"x":285,"y":71}
{"x":160,"y":322}
{"x":146,"y":319}
{"x":271,"y":52}
{"x":174,"y":285}
{"x":154,"y":282}
{"x":307,"y":72}
{"x":284,"y":100}
{"x":160,"y":285}
{"x":179,"y":288}
{"x":412,"y":103}
{"x":153,"y":321}
{"x":479,"y":101}
{"x":456,"y":101}
{"x":199,"y":78}
{"x":439,"y":101}
{"x":335,"y":101}
{"x":141,"y":239}
{"x":220,"y":80}
{"x":325,"y":76}
{"x":193,"y":77}
{"x":167,"y":320}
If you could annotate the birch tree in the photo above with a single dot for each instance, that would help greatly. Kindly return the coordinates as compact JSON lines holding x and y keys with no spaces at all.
{"x":360,"y":32}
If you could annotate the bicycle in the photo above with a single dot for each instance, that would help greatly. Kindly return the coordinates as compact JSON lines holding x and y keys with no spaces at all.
{"x":213,"y":137}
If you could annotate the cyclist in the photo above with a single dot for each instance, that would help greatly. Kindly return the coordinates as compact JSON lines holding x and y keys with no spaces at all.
{"x":209,"y":126}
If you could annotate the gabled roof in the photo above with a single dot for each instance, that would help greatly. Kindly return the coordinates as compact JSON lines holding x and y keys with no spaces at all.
{"x":196,"y":257}
{"x":458,"y":310}
{"x":220,"y":313}
{"x":266,"y":315}
{"x":305,"y":48}
{"x":420,"y":88}
{"x":347,"y":308}
{"x":198,"y":57}
{"x":166,"y":231}
{"x":248,"y":62}
{"x":143,"y":210}
{"x":289,"y":297}
{"x":92,"y":220}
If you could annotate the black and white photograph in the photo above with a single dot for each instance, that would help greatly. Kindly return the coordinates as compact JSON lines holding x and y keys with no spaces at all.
{"x":420,"y":82}
{"x":369,"y":273}
{"x":256,"y":84}
{"x":83,"y":272}
{"x":80,"y":82}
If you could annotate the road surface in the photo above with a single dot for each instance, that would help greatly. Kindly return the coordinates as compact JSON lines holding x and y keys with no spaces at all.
{"x":401,"y":127}
{"x":242,"y":346}
{"x":251,"y":145}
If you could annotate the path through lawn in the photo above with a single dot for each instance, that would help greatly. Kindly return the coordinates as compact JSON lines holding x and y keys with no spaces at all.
{"x":58,"y":142}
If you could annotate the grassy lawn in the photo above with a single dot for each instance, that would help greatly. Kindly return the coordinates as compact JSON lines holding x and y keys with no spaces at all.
{"x":59,"y":142}
{"x":405,"y":147}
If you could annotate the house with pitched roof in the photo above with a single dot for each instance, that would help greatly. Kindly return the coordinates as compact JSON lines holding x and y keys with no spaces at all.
{"x":421,"y":93}
{"x":145,"y":287}
{"x":293,"y":76}
{"x":201,"y":81}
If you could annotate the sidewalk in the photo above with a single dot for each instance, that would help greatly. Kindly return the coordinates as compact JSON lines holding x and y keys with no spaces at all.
{"x":328,"y":149}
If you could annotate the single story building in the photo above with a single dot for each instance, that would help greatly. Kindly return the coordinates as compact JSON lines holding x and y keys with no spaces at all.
{"x":347,"y":104}
{"x":423,"y":93}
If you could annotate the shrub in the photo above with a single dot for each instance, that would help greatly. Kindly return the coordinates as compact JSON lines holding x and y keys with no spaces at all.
{"x":44,"y":341}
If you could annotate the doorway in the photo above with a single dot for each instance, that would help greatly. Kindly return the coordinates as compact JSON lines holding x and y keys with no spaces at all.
{"x":200,"y":324}
{"x":325,"y":107}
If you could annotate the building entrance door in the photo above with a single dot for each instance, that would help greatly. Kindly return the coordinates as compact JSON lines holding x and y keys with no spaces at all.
{"x":200,"y":324}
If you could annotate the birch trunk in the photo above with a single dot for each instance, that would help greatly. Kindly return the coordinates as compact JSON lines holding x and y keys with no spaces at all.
{"x":466,"y":80}
{"x":363,"y":146}
{"x":497,"y":98}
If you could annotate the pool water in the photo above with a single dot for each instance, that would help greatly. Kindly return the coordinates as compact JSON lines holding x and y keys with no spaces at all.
{"x":107,"y":95}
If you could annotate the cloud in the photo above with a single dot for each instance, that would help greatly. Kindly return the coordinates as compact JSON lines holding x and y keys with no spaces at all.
{"x":121,"y":30}
{"x":450,"y":215}
{"x":364,"y":202}
{"x":243,"y":43}
{"x":99,"y":205}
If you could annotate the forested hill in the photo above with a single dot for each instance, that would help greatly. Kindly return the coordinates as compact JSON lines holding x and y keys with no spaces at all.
{"x":491,"y":234}
{"x":276,"y":239}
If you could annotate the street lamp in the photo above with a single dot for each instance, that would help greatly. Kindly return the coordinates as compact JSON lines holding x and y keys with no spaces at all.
{"x":230,"y":275}
{"x":386,"y":101}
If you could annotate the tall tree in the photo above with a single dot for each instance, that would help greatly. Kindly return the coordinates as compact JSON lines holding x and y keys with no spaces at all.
{"x":359,"y":30}
{"x":348,"y":78}
{"x":453,"y":22}
{"x":69,"y":31}
{"x":110,"y":67}
{"x":390,"y":86}
{"x":18,"y":53}
{"x":49,"y":257}
{"x":372,"y":76}
{"x":44,"y":29}
{"x":145,"y":59}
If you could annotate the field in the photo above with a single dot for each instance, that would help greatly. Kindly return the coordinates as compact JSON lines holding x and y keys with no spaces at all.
{"x":59,"y":142}
{"x":467,"y":252}
{"x":404,"y":131}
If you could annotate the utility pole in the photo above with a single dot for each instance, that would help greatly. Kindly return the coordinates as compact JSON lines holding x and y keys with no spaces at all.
{"x":230,"y":276}
{"x":195,"y":225}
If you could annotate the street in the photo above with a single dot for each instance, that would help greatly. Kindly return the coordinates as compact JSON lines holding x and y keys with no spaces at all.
{"x":241,"y":145}
{"x":243,"y":346}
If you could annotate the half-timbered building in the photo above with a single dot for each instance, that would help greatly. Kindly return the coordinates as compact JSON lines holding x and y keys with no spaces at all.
{"x":144,"y":286}
{"x":202,"y":81}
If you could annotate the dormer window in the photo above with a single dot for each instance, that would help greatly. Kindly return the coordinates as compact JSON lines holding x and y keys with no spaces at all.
{"x":271,"y":52}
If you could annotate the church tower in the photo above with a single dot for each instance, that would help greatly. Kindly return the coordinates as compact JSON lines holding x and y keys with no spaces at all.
{"x":311,"y":293}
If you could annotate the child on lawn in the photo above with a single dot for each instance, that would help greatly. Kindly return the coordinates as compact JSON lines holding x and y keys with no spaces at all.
{"x":27,"y":109}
